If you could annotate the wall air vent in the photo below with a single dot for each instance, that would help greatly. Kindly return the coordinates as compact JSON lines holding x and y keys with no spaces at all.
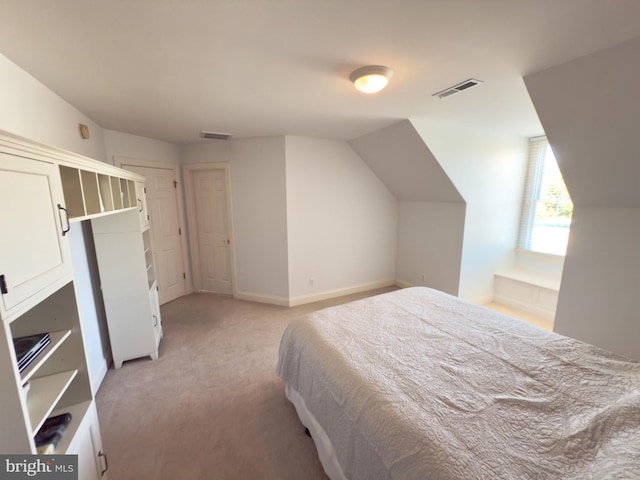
{"x":472,"y":82}
{"x":215,"y":135}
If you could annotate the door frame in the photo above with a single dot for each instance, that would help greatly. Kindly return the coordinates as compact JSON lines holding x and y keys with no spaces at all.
{"x":122,"y":160}
{"x":188,"y":170}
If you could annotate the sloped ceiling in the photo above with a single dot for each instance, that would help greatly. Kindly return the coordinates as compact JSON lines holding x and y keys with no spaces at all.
{"x":590,"y":110}
{"x":400,"y":158}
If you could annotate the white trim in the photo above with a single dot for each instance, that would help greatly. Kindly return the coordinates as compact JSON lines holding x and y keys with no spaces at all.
{"x":303,"y":300}
{"x":19,"y":146}
{"x":539,"y":150}
{"x":525,"y":307}
{"x":191,"y":213}
{"x":543,"y":256}
{"x":119,"y":161}
{"x":403,"y":284}
{"x":98,"y":377}
{"x":316,"y":297}
{"x":257,"y":297}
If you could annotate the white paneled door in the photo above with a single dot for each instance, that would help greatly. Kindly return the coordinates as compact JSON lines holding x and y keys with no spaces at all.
{"x":166,"y":242}
{"x":210,"y":233}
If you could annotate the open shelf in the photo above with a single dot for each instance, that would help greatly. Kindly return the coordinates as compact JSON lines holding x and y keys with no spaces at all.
{"x":104,"y":186}
{"x":77,"y":411}
{"x":124,"y":190}
{"x":56,"y":340}
{"x":72,"y":188}
{"x":91,"y":193}
{"x":44,"y":394}
{"x":88,"y":194}
{"x":116,"y":194}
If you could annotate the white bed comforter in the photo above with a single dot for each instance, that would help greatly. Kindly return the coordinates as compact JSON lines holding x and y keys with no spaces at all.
{"x":415,"y":384}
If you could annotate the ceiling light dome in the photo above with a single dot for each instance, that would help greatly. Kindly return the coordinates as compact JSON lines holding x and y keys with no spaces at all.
{"x":371,"y":79}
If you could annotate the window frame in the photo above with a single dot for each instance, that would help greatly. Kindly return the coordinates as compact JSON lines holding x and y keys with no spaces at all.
{"x":532,"y":195}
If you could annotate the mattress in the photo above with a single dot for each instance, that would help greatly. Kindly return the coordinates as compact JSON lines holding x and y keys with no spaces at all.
{"x":416,"y":384}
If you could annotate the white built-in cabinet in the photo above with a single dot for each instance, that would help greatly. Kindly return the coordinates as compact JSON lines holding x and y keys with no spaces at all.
{"x":130,"y":296}
{"x":35,"y":257}
{"x":43,"y":192}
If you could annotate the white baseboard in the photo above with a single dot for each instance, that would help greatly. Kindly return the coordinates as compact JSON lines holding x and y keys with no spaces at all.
{"x":256,"y":297}
{"x":316,"y":297}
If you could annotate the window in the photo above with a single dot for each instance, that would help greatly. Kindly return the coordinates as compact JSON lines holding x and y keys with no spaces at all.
{"x":547,"y":207}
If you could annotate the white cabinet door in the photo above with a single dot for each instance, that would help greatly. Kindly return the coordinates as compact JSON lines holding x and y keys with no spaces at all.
{"x":34,"y":257}
{"x":92,"y":462}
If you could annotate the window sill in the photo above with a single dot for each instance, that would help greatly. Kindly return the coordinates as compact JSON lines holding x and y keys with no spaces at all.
{"x":548,"y":257}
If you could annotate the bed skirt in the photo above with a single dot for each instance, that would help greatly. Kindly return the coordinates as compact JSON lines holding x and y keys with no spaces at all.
{"x":325,"y":449}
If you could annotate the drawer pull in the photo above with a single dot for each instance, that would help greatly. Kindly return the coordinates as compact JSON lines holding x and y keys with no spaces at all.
{"x":106,"y":462}
{"x":66,"y":214}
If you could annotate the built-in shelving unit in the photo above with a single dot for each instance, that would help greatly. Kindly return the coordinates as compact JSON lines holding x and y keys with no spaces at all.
{"x":88,"y":193}
{"x":44,"y":190}
{"x":57,"y":379}
{"x":148,"y":258}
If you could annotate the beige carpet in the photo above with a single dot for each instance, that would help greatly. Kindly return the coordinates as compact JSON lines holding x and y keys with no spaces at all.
{"x":211,"y":407}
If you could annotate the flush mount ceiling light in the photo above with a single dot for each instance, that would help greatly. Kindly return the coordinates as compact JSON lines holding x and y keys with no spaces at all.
{"x":371,"y":79}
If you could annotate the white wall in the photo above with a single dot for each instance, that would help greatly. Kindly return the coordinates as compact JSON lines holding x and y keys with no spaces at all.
{"x":341,"y":220}
{"x":31,"y":110}
{"x":598,"y":300}
{"x":589,"y":109}
{"x":488,"y":170}
{"x":590,"y":115}
{"x":259,"y":209}
{"x":429,"y":244}
{"x":540,"y":264}
{"x":431,"y":210}
{"x":118,"y":144}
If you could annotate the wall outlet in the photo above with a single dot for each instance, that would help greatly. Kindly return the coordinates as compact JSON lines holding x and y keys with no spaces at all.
{"x":312,"y":281}
{"x":424,"y":277}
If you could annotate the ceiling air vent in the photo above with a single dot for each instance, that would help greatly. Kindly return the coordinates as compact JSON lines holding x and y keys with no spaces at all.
{"x":215,"y":135}
{"x":472,"y":82}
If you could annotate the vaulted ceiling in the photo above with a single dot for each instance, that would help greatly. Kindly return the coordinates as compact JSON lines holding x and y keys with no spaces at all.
{"x":167,"y":69}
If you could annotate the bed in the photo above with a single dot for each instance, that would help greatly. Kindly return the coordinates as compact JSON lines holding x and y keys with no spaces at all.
{"x":417,"y":384}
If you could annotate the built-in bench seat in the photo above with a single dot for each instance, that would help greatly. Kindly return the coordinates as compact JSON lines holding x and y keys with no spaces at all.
{"x":529,"y":292}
